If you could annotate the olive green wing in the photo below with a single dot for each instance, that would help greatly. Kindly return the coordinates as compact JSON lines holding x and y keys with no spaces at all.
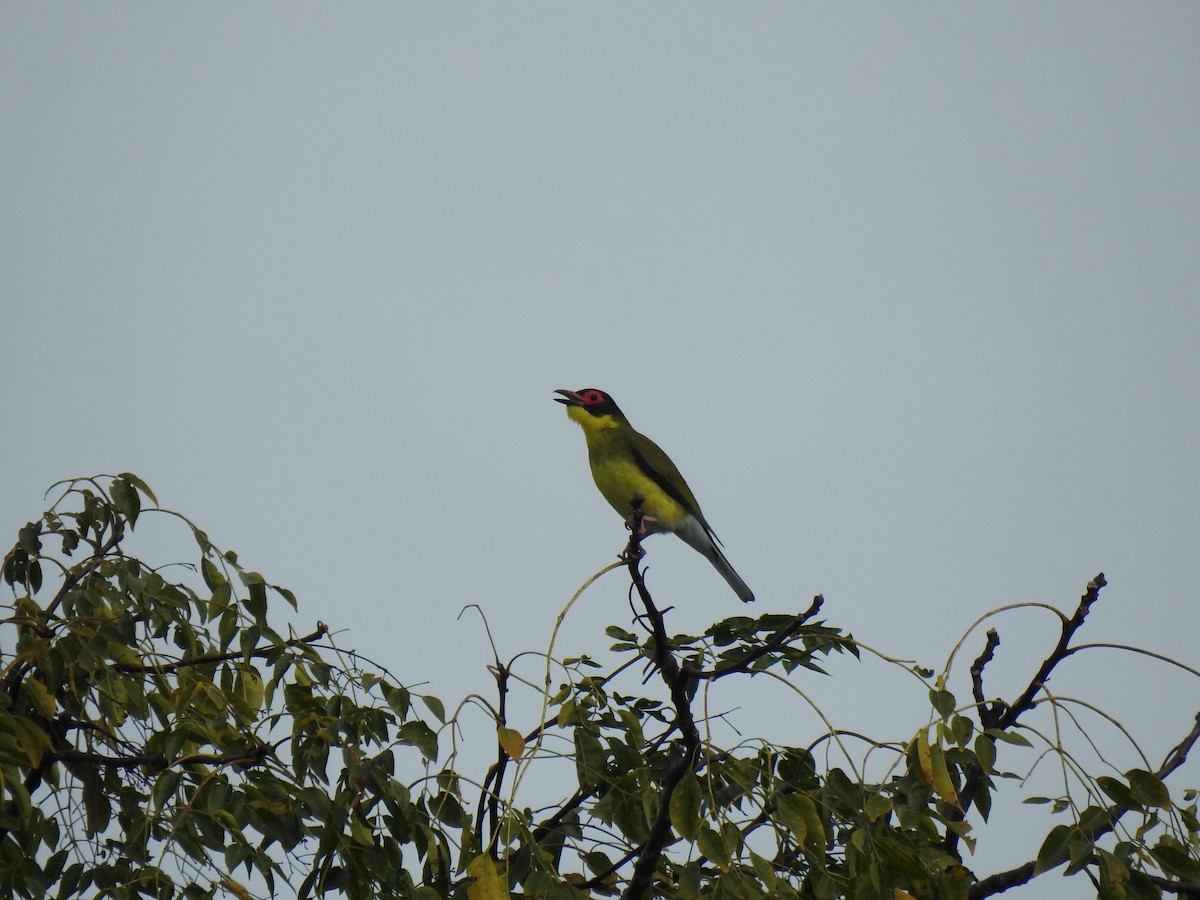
{"x":658,"y":467}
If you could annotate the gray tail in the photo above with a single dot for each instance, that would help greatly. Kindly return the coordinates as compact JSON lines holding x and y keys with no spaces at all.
{"x":699,"y":538}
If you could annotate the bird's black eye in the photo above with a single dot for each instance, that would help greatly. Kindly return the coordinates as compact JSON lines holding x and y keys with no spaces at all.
{"x":591,"y":398}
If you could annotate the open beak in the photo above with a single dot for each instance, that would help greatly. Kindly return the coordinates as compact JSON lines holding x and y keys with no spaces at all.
{"x":570,"y":398}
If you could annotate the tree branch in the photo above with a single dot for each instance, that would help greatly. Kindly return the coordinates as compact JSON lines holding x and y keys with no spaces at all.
{"x":202,"y":659}
{"x":1002,"y":881}
{"x":1025,"y":702}
{"x":989,"y":713}
{"x":493,"y":804}
{"x":160,"y":761}
{"x":1183,"y":888}
{"x":775,"y":643}
{"x":687,"y":749}
{"x":999,"y":715}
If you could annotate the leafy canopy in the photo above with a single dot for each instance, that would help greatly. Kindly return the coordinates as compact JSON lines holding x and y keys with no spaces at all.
{"x":162,"y":735}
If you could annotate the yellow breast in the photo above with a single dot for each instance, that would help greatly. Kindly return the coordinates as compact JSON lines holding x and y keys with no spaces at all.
{"x":619,"y":476}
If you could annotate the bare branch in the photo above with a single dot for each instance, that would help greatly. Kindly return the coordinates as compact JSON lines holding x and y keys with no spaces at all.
{"x":988,"y":712}
{"x":1025,"y":702}
{"x":998,"y":715}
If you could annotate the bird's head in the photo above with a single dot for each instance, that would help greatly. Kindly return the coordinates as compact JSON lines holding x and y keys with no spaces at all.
{"x":589,"y":404}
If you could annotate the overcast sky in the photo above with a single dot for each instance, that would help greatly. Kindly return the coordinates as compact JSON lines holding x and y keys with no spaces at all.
{"x":910,"y":294}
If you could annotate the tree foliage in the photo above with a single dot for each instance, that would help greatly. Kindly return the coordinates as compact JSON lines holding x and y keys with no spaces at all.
{"x":162,"y":735}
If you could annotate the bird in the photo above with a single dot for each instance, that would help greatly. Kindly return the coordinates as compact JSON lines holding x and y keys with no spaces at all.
{"x":625,"y":462}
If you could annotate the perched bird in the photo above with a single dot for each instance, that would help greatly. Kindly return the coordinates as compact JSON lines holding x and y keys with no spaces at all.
{"x":625,"y":462}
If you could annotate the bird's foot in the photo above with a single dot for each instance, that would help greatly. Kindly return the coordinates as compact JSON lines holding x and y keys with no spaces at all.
{"x":641,"y":525}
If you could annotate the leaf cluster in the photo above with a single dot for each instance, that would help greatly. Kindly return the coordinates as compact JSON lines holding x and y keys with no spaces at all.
{"x":161,"y":735}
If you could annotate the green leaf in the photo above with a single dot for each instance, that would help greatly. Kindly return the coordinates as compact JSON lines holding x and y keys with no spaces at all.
{"x":985,"y":752}
{"x":398,"y":699}
{"x":801,"y":817}
{"x":256,"y":602}
{"x":417,"y":734}
{"x":435,"y":706}
{"x":211,"y":574}
{"x":1176,"y":862}
{"x":597,"y":862}
{"x":590,"y":758}
{"x":713,"y":848}
{"x":1094,"y":817}
{"x":361,"y":833}
{"x":1147,"y":789}
{"x":28,"y":538}
{"x":1054,"y":850}
{"x":16,"y":567}
{"x":125,"y":499}
{"x":621,"y":634}
{"x":983,"y":801}
{"x":566,"y":713}
{"x":960,"y":730}
{"x":792,"y":811}
{"x":1080,"y":851}
{"x":876,"y":806}
{"x":286,"y":595}
{"x":685,"y":807}
{"x":943,"y":702}
{"x":70,"y":540}
{"x":164,"y":788}
{"x":140,"y":485}
{"x":1118,"y":792}
{"x":1009,"y":737}
{"x":33,"y":739}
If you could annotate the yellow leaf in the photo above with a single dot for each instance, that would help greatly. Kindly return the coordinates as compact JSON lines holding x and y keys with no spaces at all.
{"x":511,"y":741}
{"x":236,"y":888}
{"x":33,"y":739}
{"x":566,"y":713}
{"x":488,"y":885}
{"x":43,"y":700}
{"x":943,"y":785}
{"x":252,"y":688}
{"x":924,"y":757}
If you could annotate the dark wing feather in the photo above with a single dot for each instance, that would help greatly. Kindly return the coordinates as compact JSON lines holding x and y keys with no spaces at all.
{"x":651,"y":459}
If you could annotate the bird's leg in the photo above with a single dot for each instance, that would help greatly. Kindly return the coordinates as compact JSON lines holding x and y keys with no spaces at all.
{"x":638,"y":522}
{"x":642,"y":526}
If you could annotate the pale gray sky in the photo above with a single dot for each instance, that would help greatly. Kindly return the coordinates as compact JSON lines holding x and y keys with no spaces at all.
{"x":911,"y":295}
